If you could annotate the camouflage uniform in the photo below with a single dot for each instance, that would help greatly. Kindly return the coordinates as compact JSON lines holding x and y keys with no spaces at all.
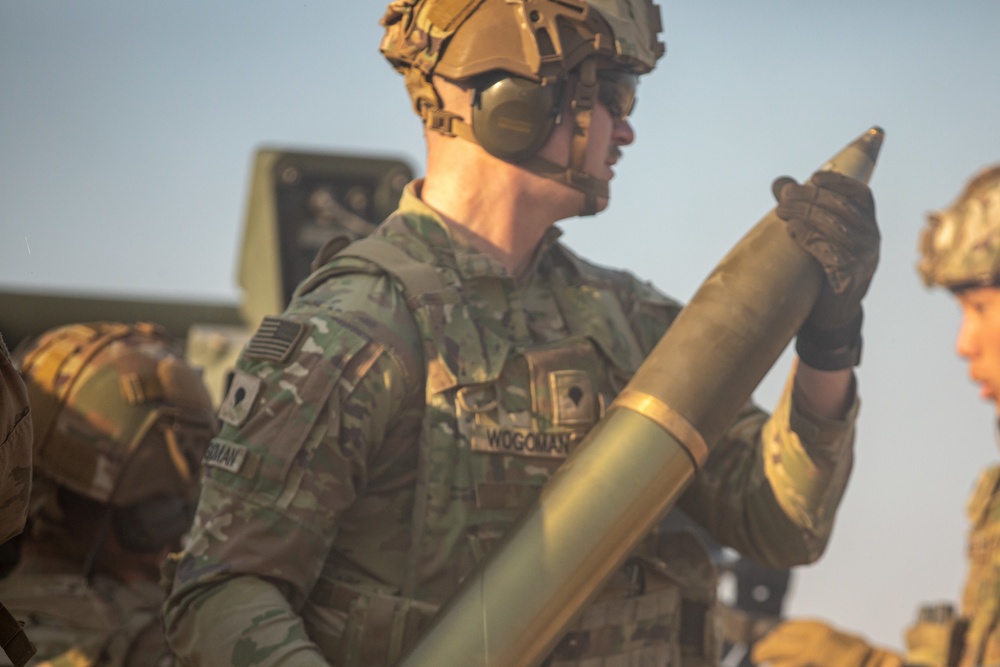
{"x":121,"y":422}
{"x":76,"y":622}
{"x":380,"y":437}
{"x":960,"y":248}
{"x":981,"y":598}
{"x":15,"y":448}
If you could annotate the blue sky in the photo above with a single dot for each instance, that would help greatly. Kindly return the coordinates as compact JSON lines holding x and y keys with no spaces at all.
{"x":127,"y":132}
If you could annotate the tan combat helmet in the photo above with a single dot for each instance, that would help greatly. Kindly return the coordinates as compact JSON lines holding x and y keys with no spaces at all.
{"x":960,"y":247}
{"x":523,"y":59}
{"x":121,"y":419}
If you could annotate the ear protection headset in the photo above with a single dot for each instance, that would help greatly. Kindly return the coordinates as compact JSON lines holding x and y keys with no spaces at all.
{"x":512,"y":117}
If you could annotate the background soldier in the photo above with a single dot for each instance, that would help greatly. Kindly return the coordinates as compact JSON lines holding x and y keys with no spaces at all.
{"x":960,"y":250}
{"x":15,"y":448}
{"x":15,"y":473}
{"x":383,"y":433}
{"x":121,"y":422}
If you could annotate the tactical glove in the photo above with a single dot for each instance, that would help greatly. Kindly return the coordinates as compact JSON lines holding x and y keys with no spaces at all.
{"x":832,"y":217}
{"x":815,"y":644}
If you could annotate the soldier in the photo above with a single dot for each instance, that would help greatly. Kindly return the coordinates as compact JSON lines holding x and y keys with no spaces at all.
{"x":121,"y":423}
{"x":15,"y":473}
{"x":384,"y":432}
{"x":15,"y":448}
{"x":960,"y":251}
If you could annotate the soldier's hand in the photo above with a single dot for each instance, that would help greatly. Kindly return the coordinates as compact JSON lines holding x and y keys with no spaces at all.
{"x":832,"y":217}
{"x":805,"y":643}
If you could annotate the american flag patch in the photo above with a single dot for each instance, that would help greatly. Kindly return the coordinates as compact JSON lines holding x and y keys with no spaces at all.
{"x":275,"y":339}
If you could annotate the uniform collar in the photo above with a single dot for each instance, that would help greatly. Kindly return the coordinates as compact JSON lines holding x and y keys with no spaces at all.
{"x":467,"y":260}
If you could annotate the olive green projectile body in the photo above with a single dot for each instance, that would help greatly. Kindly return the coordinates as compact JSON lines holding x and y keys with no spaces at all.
{"x":638,"y":459}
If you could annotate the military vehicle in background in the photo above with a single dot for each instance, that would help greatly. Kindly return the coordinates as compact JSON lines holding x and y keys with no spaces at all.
{"x":297,"y":202}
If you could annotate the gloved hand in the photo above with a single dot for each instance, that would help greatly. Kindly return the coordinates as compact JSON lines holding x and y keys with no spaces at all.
{"x":804,"y":643}
{"x":832,"y":217}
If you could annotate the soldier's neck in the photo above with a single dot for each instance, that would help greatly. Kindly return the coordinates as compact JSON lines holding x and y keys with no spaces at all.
{"x":498,"y":208}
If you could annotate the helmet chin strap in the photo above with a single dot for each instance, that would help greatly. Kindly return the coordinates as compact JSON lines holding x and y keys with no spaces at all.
{"x":584,"y":86}
{"x":582,"y":107}
{"x":588,"y":185}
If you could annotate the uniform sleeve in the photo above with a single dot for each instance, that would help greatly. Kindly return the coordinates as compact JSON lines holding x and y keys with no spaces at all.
{"x":15,"y":448}
{"x":311,"y":398}
{"x":770,"y":489}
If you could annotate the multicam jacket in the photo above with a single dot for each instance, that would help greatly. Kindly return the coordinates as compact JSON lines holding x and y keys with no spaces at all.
{"x":15,"y":448}
{"x":981,"y":599}
{"x":78,"y":623}
{"x":970,"y":638}
{"x":379,"y":437}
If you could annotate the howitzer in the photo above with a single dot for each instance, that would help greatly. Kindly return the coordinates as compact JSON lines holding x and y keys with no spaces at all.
{"x":636,"y":461}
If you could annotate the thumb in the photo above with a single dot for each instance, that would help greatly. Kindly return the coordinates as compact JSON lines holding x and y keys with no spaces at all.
{"x":779,"y":183}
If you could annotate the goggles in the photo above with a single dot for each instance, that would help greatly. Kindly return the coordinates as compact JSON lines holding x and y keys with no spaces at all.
{"x":616,"y":91}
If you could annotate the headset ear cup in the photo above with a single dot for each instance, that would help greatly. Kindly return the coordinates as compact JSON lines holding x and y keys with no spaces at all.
{"x":513,"y":117}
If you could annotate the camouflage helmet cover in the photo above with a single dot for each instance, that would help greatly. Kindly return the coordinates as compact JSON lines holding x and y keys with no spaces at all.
{"x":960,"y":246}
{"x":540,"y":40}
{"x":119,"y":416}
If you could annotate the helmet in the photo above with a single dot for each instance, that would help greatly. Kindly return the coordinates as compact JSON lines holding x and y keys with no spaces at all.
{"x":524,"y":60}
{"x":121,"y":419}
{"x":960,"y":246}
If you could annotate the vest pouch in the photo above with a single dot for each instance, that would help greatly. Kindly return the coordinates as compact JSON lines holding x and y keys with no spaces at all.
{"x":681,"y":557}
{"x":521,"y":427}
{"x":639,"y":631}
{"x":658,"y":609}
{"x":380,"y":627}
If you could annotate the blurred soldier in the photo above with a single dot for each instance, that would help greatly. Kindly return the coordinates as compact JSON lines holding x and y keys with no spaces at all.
{"x":120,"y":424}
{"x":382,"y":434}
{"x":960,"y":250}
{"x":15,"y":485}
{"x":15,"y":448}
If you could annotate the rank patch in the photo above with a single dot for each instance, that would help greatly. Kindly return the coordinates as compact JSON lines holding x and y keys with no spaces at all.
{"x":573,"y":398}
{"x":239,"y":399}
{"x":275,"y":339}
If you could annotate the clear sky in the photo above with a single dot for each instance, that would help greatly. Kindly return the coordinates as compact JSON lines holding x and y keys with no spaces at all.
{"x":127,"y":130}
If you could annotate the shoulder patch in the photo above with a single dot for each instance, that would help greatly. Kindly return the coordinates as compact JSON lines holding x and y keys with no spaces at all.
{"x":240,"y":398}
{"x":275,"y":339}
